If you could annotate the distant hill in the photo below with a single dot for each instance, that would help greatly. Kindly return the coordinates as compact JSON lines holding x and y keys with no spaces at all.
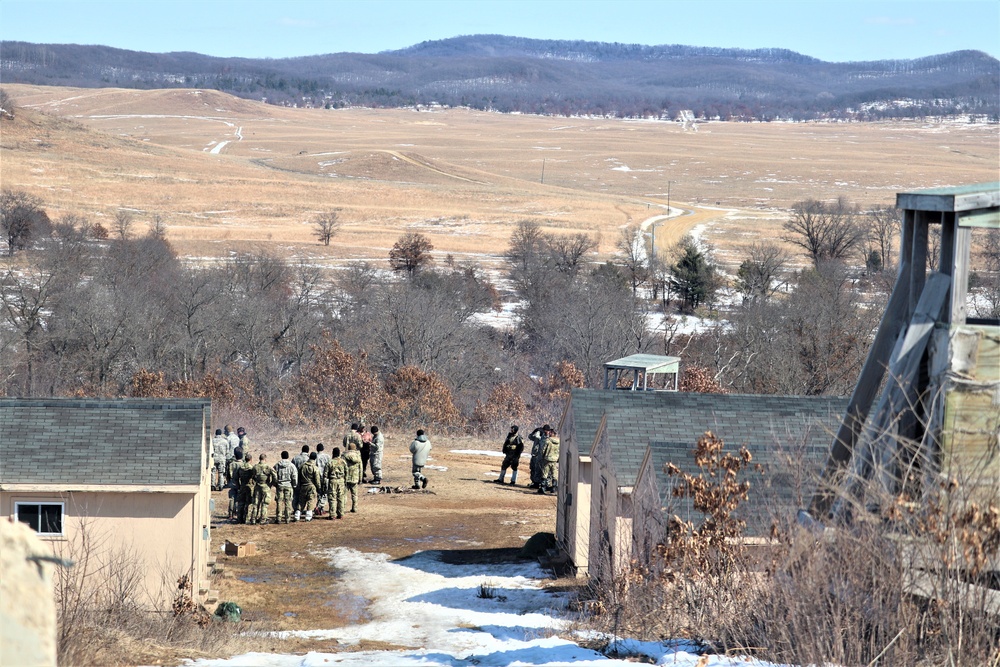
{"x":511,"y":74}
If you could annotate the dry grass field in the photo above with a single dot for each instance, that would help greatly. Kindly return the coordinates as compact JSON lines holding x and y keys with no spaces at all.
{"x":229,"y":174}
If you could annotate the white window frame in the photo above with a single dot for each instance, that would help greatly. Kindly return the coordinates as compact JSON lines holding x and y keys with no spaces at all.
{"x":38,"y":503}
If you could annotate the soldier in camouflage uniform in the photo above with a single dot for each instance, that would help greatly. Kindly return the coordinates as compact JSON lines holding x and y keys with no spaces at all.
{"x":233,"y":483}
{"x":220,"y":451}
{"x":322,"y":458}
{"x":244,"y":497}
{"x":353,"y":437}
{"x":335,"y":477}
{"x":288,"y":478}
{"x":264,"y":478}
{"x":299,"y":459}
{"x":353,"y":460}
{"x":550,"y":462}
{"x":309,"y":486}
{"x":378,"y":446}
{"x":234,"y":440}
{"x":535,"y":464}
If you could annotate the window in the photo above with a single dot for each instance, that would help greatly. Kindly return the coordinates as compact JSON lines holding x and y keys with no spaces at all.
{"x":43,"y":518}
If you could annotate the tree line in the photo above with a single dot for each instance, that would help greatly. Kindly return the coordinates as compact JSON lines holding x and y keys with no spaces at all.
{"x":87,"y":310}
{"x":496,"y":73}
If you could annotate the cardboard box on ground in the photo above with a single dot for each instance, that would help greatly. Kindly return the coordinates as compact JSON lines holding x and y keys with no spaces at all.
{"x":241,"y":550}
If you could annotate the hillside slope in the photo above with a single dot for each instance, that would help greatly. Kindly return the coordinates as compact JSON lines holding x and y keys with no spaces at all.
{"x":494,"y":72}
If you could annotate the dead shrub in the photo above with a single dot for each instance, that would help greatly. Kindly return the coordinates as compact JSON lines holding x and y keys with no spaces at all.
{"x":336,"y":386}
{"x":565,"y":376}
{"x":420,"y":397}
{"x":700,"y":579}
{"x":890,"y":588}
{"x":700,"y":380}
{"x":503,"y":407}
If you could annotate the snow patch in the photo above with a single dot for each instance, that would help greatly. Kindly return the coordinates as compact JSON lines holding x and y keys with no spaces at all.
{"x":437,"y":614}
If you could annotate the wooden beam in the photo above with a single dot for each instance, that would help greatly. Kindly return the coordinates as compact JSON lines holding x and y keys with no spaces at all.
{"x":918,"y":254}
{"x":900,"y":389}
{"x":986,"y":218}
{"x":869,"y":381}
{"x":960,"y":275}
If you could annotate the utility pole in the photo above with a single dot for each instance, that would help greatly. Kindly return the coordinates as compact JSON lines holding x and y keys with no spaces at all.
{"x":652,"y":242}
{"x":543,"y":171}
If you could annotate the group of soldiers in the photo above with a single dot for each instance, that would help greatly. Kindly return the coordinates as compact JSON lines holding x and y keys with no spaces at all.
{"x":224,"y":447}
{"x":544,"y":465}
{"x":315,"y":483}
{"x":312,"y":484}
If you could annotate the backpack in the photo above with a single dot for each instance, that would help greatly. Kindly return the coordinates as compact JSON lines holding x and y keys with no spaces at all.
{"x":260,"y":475}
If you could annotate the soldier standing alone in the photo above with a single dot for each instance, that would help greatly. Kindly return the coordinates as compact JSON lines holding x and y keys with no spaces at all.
{"x":421,"y":449}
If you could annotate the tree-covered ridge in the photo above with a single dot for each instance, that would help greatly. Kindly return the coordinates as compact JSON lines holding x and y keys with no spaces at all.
{"x":558,"y":77}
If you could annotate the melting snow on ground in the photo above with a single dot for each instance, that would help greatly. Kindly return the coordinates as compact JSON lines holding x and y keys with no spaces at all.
{"x":433,"y":614}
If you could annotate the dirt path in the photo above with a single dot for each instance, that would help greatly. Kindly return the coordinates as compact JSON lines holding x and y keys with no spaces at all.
{"x":671,"y":228}
{"x":287,"y":586}
{"x":425,"y":165}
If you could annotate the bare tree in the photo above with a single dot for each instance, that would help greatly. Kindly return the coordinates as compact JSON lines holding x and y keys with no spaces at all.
{"x":158,"y":227}
{"x":21,"y":219}
{"x":631,"y":247}
{"x":410,"y":253}
{"x":525,"y":245}
{"x":825,"y":231}
{"x":881,"y":224}
{"x":25,"y":297}
{"x":326,"y":225}
{"x":123,"y":223}
{"x":761,"y":274}
{"x":567,"y":252}
{"x":590,"y":321}
{"x":426,"y":323}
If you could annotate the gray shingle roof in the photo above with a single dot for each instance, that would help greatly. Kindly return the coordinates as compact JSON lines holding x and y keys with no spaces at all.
{"x":790,"y":471}
{"x":636,"y":419}
{"x":146,"y":442}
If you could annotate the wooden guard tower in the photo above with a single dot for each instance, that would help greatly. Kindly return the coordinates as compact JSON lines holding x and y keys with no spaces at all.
{"x":649,"y":372}
{"x":926,"y":407}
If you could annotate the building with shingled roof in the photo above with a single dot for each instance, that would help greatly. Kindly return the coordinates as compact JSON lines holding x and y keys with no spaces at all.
{"x":129,"y":478}
{"x":615,"y":440}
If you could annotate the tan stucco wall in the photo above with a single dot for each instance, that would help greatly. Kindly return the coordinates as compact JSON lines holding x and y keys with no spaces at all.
{"x":163,"y":531}
{"x":27,"y":600}
{"x":580,"y":534}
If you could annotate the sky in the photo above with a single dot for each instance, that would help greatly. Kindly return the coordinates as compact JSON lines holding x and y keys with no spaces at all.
{"x":836,"y":31}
